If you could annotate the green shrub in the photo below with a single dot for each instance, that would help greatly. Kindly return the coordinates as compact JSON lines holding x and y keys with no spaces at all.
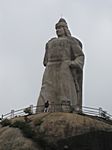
{"x":18,"y":124}
{"x":24,"y":127}
{"x":28,"y":110}
{"x":5,"y":122}
{"x":38,"y":122}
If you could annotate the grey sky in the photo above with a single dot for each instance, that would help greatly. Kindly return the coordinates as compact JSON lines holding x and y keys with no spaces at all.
{"x":26,"y":26}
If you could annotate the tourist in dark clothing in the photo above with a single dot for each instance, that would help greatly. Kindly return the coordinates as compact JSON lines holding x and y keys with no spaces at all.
{"x":46,"y":109}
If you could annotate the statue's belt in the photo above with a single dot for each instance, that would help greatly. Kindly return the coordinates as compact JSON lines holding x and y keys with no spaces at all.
{"x":57,"y":62}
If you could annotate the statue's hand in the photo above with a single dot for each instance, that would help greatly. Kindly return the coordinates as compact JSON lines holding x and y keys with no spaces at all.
{"x":68,"y":62}
{"x":73,"y":64}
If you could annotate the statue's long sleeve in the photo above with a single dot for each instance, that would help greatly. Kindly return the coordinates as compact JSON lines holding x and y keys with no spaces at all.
{"x":45,"y":56}
{"x":78,"y":56}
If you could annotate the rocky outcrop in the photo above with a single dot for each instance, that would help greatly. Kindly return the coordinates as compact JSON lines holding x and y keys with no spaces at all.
{"x":54,"y":131}
{"x":13,"y":139}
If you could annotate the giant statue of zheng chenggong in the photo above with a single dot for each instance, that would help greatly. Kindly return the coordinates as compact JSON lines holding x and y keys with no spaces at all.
{"x":63,"y":75}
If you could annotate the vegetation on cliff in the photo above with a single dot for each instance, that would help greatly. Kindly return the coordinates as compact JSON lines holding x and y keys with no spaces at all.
{"x":48,"y":131}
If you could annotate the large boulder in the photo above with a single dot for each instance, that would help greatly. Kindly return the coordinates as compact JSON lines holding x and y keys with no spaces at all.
{"x":57,"y":126}
{"x":57,"y":131}
{"x":13,"y":139}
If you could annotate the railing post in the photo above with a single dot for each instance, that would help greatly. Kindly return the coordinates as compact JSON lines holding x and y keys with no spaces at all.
{"x":31,"y":106}
{"x":100,"y":111}
{"x":2,"y":117}
{"x":12,"y":113}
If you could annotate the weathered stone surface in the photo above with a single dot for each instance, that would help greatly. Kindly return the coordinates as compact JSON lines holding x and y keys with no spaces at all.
{"x":13,"y":139}
{"x":77,"y":132}
{"x":64,"y":60}
{"x":54,"y":131}
{"x":57,"y":126}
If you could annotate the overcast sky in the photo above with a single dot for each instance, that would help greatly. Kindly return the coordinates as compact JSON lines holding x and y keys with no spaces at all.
{"x":26,"y":26}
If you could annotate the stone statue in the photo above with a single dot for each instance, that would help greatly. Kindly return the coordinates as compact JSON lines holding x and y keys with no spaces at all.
{"x":64,"y":60}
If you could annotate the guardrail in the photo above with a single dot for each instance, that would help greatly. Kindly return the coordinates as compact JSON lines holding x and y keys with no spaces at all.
{"x":98,"y":112}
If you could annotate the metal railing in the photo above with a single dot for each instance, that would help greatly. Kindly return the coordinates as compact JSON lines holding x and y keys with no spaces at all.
{"x":98,"y":112}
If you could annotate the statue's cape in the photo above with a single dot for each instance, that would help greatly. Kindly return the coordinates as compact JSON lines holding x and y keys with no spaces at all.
{"x":77,"y":73}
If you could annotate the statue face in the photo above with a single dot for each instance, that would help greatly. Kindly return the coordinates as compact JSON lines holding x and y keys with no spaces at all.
{"x":60,"y":31}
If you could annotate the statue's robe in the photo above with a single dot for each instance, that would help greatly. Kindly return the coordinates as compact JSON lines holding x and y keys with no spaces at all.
{"x":62,"y":79}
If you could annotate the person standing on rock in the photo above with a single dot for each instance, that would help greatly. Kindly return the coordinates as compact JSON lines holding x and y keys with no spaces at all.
{"x":64,"y":60}
{"x":46,"y":109}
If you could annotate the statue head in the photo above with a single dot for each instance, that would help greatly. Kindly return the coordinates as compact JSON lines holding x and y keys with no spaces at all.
{"x":62,"y":28}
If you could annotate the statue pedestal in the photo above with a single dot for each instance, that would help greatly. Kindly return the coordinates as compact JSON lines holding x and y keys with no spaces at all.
{"x":64,"y":106}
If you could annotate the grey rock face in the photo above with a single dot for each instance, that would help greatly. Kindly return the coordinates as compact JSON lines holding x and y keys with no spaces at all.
{"x":64,"y":60}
